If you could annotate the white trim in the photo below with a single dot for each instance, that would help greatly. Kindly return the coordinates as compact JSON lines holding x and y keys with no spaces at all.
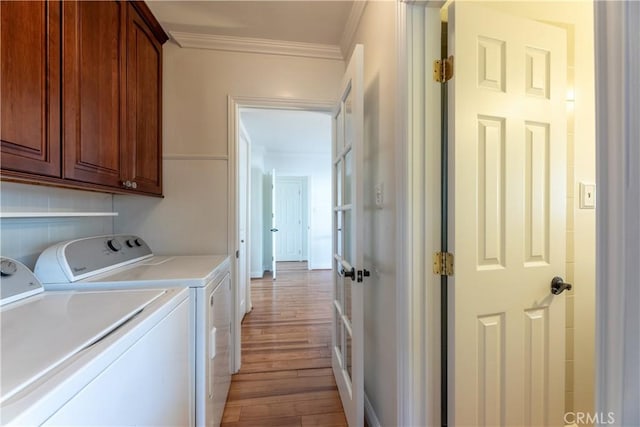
{"x":256,"y":45}
{"x":370,"y":414}
{"x":618,"y":235}
{"x":55,"y":214}
{"x":347,"y":39}
{"x":234,"y":103}
{"x":404,"y":230}
{"x":172,"y":156}
{"x":257,"y":274}
{"x":418,"y":302}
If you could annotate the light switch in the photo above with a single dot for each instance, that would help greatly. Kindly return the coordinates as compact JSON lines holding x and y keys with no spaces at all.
{"x":587,"y":196}
{"x":380,"y":196}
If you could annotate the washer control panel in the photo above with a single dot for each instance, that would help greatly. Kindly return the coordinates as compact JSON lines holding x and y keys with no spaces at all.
{"x":78,"y":259}
{"x":16,"y":281}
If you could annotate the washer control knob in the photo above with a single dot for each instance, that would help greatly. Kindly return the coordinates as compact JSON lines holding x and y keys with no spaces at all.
{"x":130,"y":243}
{"x":7,"y":268}
{"x":114,"y":245}
{"x":138,"y":242}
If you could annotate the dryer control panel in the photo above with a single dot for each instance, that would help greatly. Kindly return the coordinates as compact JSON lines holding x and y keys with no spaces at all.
{"x":16,"y":281}
{"x":78,"y":259}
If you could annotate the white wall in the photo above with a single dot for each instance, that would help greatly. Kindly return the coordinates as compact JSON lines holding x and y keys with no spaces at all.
{"x":193,"y":216}
{"x":318,"y":168}
{"x":25,"y":239}
{"x":377,"y":32}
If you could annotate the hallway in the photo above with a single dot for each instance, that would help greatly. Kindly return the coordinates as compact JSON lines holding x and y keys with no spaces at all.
{"x":286,"y":377}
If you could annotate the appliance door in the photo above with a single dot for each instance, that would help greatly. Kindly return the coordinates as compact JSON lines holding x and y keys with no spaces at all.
{"x":213,"y":357}
{"x":147,"y":385}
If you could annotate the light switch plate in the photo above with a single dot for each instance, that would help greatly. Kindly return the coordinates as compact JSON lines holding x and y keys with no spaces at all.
{"x":587,"y":196}
{"x":380,"y":196}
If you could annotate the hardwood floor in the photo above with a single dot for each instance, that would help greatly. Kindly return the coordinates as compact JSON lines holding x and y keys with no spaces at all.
{"x":286,"y":377}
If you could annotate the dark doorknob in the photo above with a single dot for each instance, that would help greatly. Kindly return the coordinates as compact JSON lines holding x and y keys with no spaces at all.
{"x":558,"y":285}
{"x":273,"y":230}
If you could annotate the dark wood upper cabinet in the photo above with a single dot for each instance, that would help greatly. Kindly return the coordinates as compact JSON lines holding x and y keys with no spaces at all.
{"x":93,"y":89}
{"x":30,"y":87}
{"x":144,"y":105}
{"x":81,"y":89}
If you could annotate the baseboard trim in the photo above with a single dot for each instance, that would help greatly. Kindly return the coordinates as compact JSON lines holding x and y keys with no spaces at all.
{"x":257,"y":274}
{"x":370,"y":414}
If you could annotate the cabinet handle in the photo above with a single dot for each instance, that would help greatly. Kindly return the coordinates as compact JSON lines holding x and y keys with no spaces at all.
{"x":134,"y":184}
{"x":126,"y":184}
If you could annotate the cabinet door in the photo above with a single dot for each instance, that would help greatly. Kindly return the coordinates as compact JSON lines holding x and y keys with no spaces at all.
{"x":144,"y":101}
{"x":93,"y":88}
{"x":30,"y":82}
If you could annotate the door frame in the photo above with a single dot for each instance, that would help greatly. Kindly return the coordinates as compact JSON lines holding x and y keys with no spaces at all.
{"x":418,"y":308}
{"x":234,"y":104}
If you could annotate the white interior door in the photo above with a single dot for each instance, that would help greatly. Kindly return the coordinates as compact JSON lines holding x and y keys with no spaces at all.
{"x":274,"y":229}
{"x":347,"y":319}
{"x":243,"y":217}
{"x":289,"y":208}
{"x":507,"y":153}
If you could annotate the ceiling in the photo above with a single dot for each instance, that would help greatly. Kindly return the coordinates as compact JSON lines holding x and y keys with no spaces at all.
{"x":307,"y":21}
{"x":288,"y":131}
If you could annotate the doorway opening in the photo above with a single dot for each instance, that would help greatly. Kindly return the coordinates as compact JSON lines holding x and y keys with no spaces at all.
{"x":253,"y":122}
{"x":289,"y":196}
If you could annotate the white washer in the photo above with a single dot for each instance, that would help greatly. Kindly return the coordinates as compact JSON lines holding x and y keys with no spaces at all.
{"x":92,"y":357}
{"x":125,"y":262}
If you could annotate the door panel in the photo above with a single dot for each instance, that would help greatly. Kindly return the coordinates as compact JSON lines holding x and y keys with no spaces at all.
{"x":94,"y":70}
{"x":30,"y":82}
{"x":507,"y":127}
{"x":349,"y":273}
{"x":289,"y":209}
{"x":274,"y":230}
{"x":144,"y":107}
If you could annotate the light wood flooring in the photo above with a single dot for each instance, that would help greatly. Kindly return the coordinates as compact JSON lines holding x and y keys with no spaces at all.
{"x":286,"y":378}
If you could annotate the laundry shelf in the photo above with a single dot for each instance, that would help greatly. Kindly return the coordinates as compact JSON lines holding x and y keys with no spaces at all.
{"x":56,"y":214}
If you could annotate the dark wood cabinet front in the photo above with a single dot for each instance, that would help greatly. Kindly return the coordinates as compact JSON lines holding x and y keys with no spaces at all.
{"x":144,"y":90}
{"x":30,"y":87}
{"x":81,"y":95}
{"x":93,"y":90}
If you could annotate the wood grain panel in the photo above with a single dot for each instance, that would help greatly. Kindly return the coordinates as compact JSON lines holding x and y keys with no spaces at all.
{"x":144,"y":106}
{"x":93,"y":87}
{"x":286,"y":376}
{"x":30,"y":81}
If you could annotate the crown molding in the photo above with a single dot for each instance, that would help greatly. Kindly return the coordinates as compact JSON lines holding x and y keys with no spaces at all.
{"x":350,"y":28}
{"x":254,"y":45}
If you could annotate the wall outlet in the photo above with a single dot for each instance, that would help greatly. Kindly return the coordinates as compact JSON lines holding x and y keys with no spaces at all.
{"x":587,"y":196}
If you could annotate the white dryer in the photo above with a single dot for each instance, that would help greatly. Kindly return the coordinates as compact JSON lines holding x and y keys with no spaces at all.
{"x":79,"y":358}
{"x":126,"y":262}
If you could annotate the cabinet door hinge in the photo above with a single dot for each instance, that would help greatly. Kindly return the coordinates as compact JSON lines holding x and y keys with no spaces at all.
{"x":443,"y":263}
{"x":443,"y":69}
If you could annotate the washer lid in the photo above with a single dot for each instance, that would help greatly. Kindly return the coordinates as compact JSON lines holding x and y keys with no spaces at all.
{"x":41,"y":332}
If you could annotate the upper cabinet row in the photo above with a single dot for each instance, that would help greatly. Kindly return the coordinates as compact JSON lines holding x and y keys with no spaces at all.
{"x":80,"y":95}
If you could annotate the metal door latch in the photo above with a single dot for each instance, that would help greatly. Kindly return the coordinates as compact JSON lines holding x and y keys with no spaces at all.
{"x":363,"y":273}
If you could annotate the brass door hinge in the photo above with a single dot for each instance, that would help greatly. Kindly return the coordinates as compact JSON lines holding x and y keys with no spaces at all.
{"x":443,"y":69}
{"x":443,"y":263}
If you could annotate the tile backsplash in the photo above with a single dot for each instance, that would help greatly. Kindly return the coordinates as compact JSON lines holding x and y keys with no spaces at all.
{"x":25,"y":238}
